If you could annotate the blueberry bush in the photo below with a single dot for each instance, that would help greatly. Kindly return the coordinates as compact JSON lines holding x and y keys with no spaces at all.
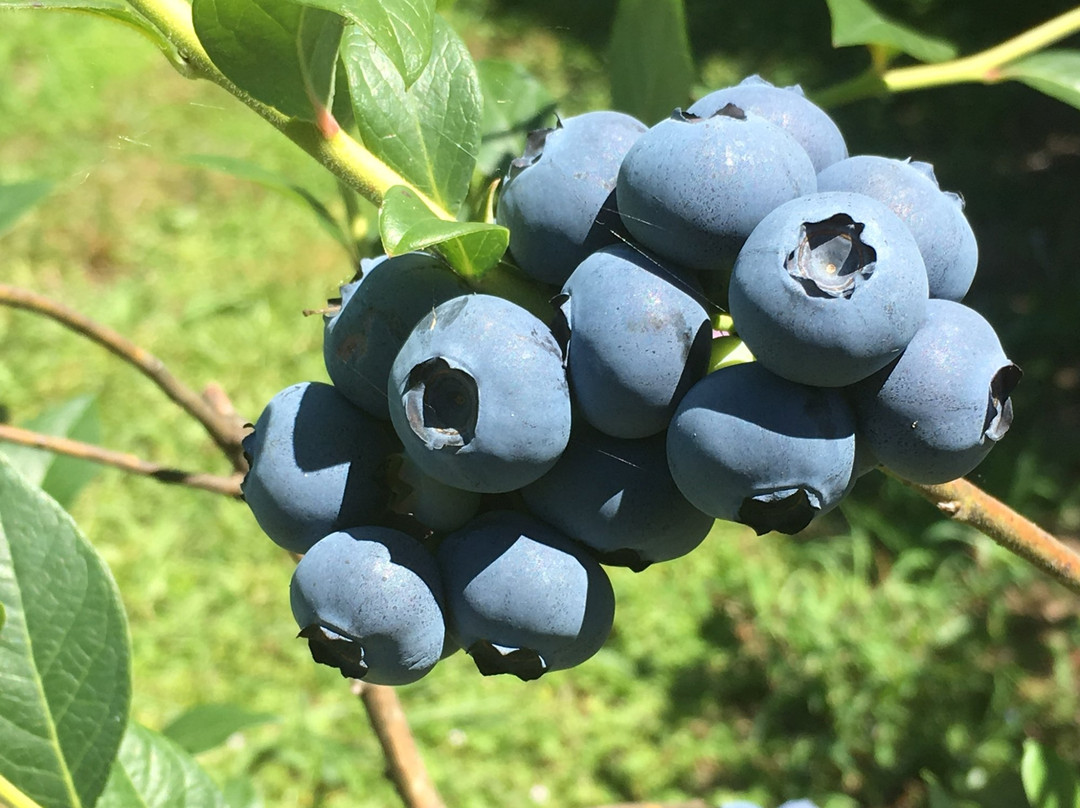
{"x":582,"y":343}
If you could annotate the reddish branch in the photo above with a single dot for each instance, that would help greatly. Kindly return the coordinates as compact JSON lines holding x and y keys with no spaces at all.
{"x":959,"y":500}
{"x":403,"y":762}
{"x":230,"y":486}
{"x":968,"y":504}
{"x":223,"y":429}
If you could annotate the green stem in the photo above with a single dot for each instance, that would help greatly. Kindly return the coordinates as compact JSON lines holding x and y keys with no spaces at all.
{"x":984,"y":67}
{"x":338,"y":152}
{"x":11,"y":797}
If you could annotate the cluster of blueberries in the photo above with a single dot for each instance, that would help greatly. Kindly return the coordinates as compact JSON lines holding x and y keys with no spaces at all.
{"x":471,"y":468}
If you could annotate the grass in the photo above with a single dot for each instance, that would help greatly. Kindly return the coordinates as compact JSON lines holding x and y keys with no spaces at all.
{"x":771,"y":668}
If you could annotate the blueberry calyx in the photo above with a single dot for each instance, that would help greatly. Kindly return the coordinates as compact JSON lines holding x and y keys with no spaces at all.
{"x":534,"y":148}
{"x":999,"y":410}
{"x":491,"y":660}
{"x":831,"y":260}
{"x":787,"y":511}
{"x":442,"y":404}
{"x":328,"y":647}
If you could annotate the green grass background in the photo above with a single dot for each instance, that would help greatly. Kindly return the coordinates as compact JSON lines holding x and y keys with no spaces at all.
{"x":881,"y":652}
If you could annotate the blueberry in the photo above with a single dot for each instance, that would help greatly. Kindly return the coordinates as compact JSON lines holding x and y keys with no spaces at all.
{"x":377,"y":313}
{"x":691,"y":189}
{"x":934,"y":414}
{"x":558,"y":199}
{"x":828,"y":289}
{"x":788,"y":108}
{"x":935,"y":217}
{"x":749,"y":446}
{"x":617,"y":497}
{"x":639,"y":338}
{"x":523,"y":598}
{"x":797,"y":804}
{"x":369,"y":602}
{"x":478,"y":395}
{"x":317,"y":465}
{"x":434,"y":504}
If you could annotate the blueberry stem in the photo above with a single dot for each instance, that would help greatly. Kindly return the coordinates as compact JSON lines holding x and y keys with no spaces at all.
{"x":968,"y":504}
{"x":403,"y":762}
{"x":986,"y":67}
{"x":334,"y":148}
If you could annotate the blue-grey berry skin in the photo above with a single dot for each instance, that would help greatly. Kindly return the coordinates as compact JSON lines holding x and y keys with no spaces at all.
{"x":639,"y":338}
{"x":369,"y":601}
{"x":377,"y":313}
{"x":797,"y":804}
{"x":828,"y":289}
{"x":936,"y":412}
{"x":935,"y":217}
{"x":788,"y":108}
{"x":478,"y":395}
{"x":434,"y":504}
{"x":691,"y":189}
{"x":739,"y":804}
{"x":617,"y":497}
{"x":558,"y":198}
{"x":749,"y":446}
{"x":522,"y":598}
{"x":317,"y":465}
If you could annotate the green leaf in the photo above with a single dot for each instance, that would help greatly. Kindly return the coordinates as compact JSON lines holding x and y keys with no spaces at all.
{"x":406,"y":224}
{"x":1049,"y":781}
{"x":856,"y":22}
{"x":515,"y":103}
{"x":60,"y":476}
{"x":153,"y":772}
{"x":650,"y":65}
{"x":206,"y":726}
{"x":280,"y":52}
{"x":428,"y":132}
{"x":245,"y":170}
{"x":1054,"y":72}
{"x":64,"y":652}
{"x":401,"y":29}
{"x":111,"y":9}
{"x":17,"y":198}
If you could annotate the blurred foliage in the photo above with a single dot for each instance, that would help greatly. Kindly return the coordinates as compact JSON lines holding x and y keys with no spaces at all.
{"x":885,"y":658}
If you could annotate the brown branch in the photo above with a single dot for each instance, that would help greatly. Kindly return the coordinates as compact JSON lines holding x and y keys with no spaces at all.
{"x":230,"y":486}
{"x":222,"y":428}
{"x":966,"y":503}
{"x":404,"y":764}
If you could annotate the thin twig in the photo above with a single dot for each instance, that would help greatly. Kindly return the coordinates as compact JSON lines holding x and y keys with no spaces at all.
{"x":230,"y":486}
{"x":964,"y":502}
{"x":403,"y":762}
{"x":221,"y":428}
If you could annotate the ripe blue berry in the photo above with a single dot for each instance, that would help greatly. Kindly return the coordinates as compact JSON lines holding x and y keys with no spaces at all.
{"x":937,"y":411}
{"x":749,"y":446}
{"x":936,"y":218}
{"x":522,"y":598}
{"x":558,"y":197}
{"x":691,"y":189}
{"x":828,"y":289}
{"x":377,"y":313}
{"x":617,"y":497}
{"x":478,"y":395}
{"x":788,"y":108}
{"x":639,"y":338}
{"x":369,"y":602}
{"x":317,"y":465}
